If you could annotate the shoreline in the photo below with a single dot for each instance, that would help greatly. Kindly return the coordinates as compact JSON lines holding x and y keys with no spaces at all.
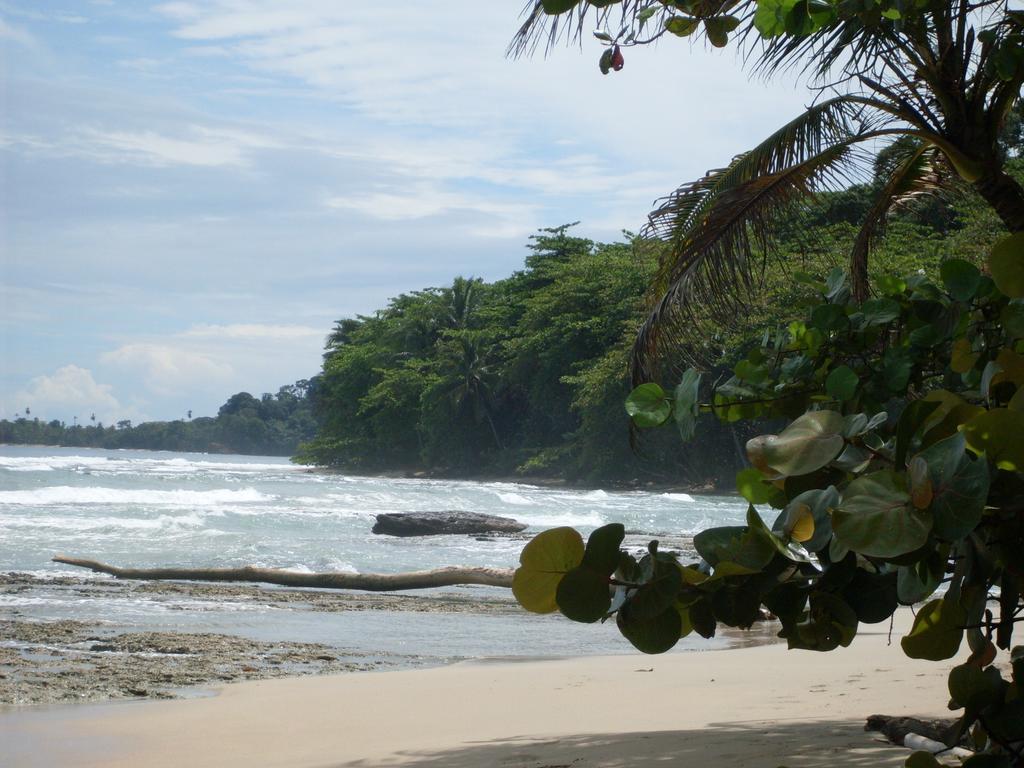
{"x":760,"y":706}
{"x":54,"y":661}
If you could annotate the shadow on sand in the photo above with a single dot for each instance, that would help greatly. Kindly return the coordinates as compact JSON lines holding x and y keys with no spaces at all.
{"x":841,"y":744}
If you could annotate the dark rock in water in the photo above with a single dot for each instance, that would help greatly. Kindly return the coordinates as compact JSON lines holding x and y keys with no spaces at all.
{"x":447,"y":522}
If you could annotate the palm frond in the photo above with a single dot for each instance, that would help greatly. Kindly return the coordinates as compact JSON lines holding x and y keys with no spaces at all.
{"x":918,"y":171}
{"x":710,"y":267}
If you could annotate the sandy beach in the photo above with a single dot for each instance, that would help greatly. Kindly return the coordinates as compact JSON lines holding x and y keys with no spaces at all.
{"x":759,"y":706}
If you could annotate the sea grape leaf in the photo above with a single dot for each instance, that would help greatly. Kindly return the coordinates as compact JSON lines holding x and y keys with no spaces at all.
{"x":880,"y":311}
{"x":911,"y":420}
{"x":543,"y":563}
{"x":1006,"y":265}
{"x":997,"y":434}
{"x":602,"y":552}
{"x":648,"y":405}
{"x":809,"y":443}
{"x":554,"y":7}
{"x":959,"y":487}
{"x":820,"y":502}
{"x":937,"y":631}
{"x":842,"y":383}
{"x":687,"y":407}
{"x":875,"y":518}
{"x":872,"y":595}
{"x":583,"y":595}
{"x":961,"y":278}
{"x":975,"y":689}
{"x":916,"y":582}
{"x":751,"y":486}
{"x":655,"y":634}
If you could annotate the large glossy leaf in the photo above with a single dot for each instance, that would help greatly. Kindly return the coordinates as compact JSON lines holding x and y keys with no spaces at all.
{"x":602,"y":552}
{"x":648,"y":406}
{"x":554,"y":7}
{"x":875,"y":517}
{"x":872,"y":595}
{"x":751,"y":486}
{"x":655,"y":634}
{"x":961,"y":278}
{"x":819,"y":503}
{"x":686,"y":404}
{"x":937,"y":631}
{"x":1006,"y":264}
{"x":998,"y":434}
{"x":916,"y":582}
{"x":809,"y":443}
{"x":583,"y":595}
{"x":544,"y":561}
{"x":830,"y":623}
{"x":974,"y":688}
{"x":842,"y":383}
{"x":734,"y":544}
{"x":959,"y":487}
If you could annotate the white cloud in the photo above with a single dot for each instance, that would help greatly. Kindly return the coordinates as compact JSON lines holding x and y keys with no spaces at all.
{"x":199,"y":146}
{"x":69,"y":392}
{"x":15,"y":34}
{"x":254,"y":332}
{"x":169,"y":370}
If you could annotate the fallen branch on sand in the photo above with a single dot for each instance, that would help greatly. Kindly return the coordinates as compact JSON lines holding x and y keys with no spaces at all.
{"x":370,"y":582}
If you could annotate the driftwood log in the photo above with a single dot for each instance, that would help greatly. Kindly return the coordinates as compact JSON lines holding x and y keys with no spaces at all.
{"x":369,"y":582}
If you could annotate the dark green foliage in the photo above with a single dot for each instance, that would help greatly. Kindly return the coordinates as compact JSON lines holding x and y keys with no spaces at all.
{"x":273,"y":425}
{"x":876,"y":509}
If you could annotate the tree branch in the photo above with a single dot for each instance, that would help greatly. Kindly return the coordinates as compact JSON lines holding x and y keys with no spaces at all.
{"x":370,"y":582}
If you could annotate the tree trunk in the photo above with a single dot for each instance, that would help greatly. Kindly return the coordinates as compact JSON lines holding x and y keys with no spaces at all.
{"x":1005,"y":195}
{"x":369,"y":582}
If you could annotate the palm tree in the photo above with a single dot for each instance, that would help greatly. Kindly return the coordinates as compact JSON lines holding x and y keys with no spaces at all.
{"x":944,"y":77}
{"x":469,"y":377}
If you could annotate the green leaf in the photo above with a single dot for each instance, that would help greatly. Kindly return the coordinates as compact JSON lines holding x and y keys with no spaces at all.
{"x":875,"y":518}
{"x":916,"y":582}
{"x":872,"y":595}
{"x":880,"y":311}
{"x":683,"y":26}
{"x":962,"y":279}
{"x":829,"y":317}
{"x":819,"y":502}
{"x":975,"y":689}
{"x":959,"y":487}
{"x":891,"y":286}
{"x":1012,"y":319}
{"x":751,"y":486}
{"x":897,"y":365}
{"x":656,"y":634}
{"x":602,"y":552}
{"x":687,"y":407}
{"x":987,"y":761}
{"x":648,"y":406}
{"x":937,"y":631}
{"x":997,"y":433}
{"x":543,"y":563}
{"x":718,"y":29}
{"x":842,"y":383}
{"x":733,"y":544}
{"x":1006,"y":265}
{"x":554,"y":7}
{"x":583,"y":595}
{"x":808,"y":444}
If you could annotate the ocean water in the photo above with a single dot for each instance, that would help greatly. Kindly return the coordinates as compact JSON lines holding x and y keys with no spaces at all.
{"x":150,"y":509}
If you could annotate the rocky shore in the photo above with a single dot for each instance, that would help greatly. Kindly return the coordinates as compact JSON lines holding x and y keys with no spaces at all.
{"x":46,"y":662}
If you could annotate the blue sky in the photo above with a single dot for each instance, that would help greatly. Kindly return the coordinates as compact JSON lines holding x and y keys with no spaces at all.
{"x":191,"y":193}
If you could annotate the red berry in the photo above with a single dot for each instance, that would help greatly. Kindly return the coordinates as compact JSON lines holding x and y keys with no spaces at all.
{"x":618,"y":61}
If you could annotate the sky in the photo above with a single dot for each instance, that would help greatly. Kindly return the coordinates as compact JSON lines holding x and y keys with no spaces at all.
{"x":192,"y":193}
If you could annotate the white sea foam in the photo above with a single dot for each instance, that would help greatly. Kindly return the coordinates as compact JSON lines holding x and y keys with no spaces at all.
{"x":678,"y":497}
{"x":516,"y":499}
{"x":596,"y":495}
{"x":66,"y":524}
{"x":70,"y":495}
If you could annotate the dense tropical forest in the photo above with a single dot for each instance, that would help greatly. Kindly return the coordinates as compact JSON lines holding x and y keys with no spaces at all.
{"x":527,"y":376}
{"x":272,"y":425}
